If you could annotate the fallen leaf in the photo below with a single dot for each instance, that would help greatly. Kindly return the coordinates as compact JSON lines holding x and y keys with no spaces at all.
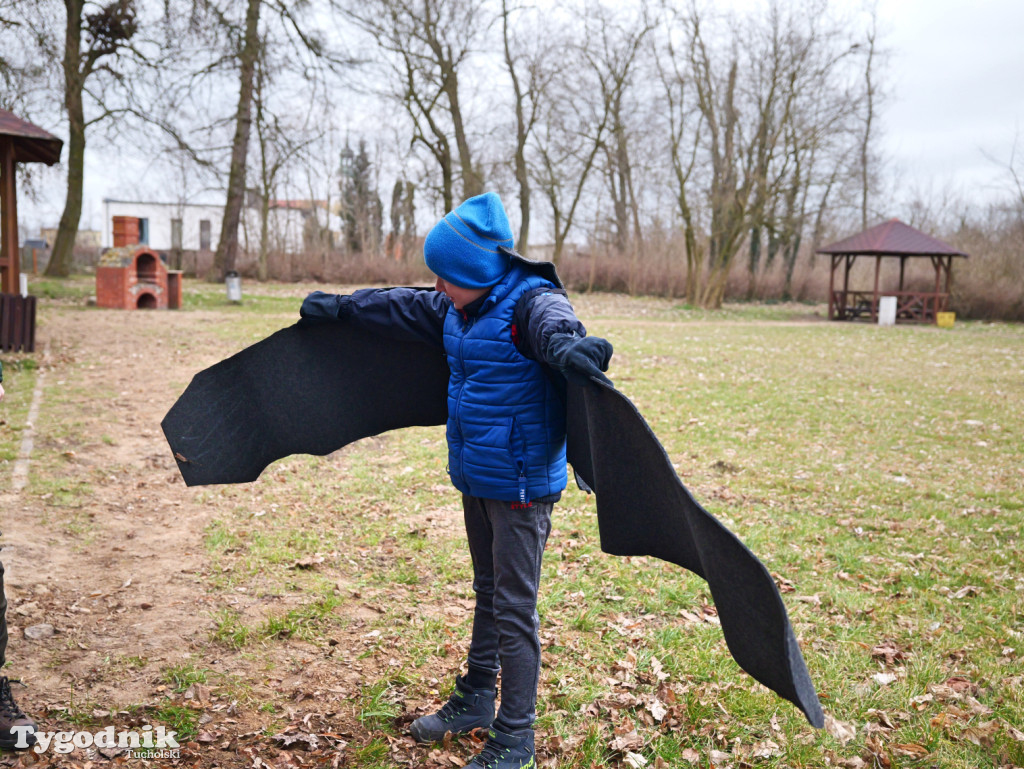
{"x":921,"y":701}
{"x":889,"y":652}
{"x":626,"y":742}
{"x":911,"y":749}
{"x":841,"y":731}
{"x":658,"y":709}
{"x":635,"y":760}
{"x":766,"y":749}
{"x":308,"y":562}
{"x":981,"y":735}
{"x":719,"y":757}
{"x":658,"y":670}
{"x":967,"y":591}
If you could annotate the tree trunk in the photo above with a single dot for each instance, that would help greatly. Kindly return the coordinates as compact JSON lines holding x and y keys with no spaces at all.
{"x":472,"y":183}
{"x":522,"y":172}
{"x":67,"y":230}
{"x":227,"y":248}
{"x":261,"y":267}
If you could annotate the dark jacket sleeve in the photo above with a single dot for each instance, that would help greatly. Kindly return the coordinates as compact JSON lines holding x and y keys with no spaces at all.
{"x":398,"y":313}
{"x":540,"y":314}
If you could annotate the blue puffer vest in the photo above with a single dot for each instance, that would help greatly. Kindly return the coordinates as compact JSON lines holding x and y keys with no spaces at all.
{"x":506,"y":423}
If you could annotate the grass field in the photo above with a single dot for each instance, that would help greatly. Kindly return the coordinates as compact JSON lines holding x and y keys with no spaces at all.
{"x":878,"y":474}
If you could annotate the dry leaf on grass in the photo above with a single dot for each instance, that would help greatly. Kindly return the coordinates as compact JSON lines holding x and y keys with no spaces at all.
{"x":888,"y":651}
{"x":720,"y":758}
{"x":912,"y":749}
{"x":626,"y":742}
{"x":841,"y":731}
{"x":635,"y":760}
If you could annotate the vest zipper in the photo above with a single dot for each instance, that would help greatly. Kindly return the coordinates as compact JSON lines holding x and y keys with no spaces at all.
{"x":458,"y":401}
{"x":520,"y":459}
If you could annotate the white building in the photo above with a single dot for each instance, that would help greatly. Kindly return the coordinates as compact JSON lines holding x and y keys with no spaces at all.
{"x":166,"y":226}
{"x":196,"y":226}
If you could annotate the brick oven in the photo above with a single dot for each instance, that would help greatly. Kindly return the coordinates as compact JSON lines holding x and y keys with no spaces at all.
{"x":135,"y":278}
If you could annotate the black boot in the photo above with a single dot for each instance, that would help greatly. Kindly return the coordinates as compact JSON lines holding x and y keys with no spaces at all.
{"x":506,"y":751}
{"x":11,"y":717}
{"x":467,"y":709}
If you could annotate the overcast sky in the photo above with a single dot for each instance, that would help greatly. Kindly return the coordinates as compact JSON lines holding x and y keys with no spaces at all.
{"x":955,"y":81}
{"x":956,"y":76}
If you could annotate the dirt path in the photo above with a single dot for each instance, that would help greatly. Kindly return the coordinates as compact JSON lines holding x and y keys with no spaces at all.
{"x":105,"y":543}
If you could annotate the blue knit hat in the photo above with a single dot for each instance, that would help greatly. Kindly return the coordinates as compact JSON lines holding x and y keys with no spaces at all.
{"x":463,"y":247}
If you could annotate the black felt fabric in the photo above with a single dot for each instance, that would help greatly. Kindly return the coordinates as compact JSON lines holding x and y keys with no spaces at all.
{"x":314,"y":390}
{"x":644,"y":509}
{"x":302,"y":391}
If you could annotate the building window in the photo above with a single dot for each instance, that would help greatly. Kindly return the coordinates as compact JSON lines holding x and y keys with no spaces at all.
{"x":176,"y":234}
{"x":204,"y":234}
{"x":144,"y":231}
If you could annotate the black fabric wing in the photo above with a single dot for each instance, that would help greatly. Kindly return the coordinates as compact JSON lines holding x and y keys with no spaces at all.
{"x":302,"y":391}
{"x":643,"y":508}
{"x":313,"y":390}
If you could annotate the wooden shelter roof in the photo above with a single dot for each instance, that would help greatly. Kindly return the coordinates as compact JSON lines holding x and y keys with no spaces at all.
{"x":31,"y":143}
{"x":891,"y":238}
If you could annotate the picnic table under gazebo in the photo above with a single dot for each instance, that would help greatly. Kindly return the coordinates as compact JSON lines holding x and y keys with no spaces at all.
{"x":895,"y":240}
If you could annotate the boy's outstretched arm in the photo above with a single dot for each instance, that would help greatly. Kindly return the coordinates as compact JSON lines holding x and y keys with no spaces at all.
{"x":398,"y":313}
{"x":554,"y":335}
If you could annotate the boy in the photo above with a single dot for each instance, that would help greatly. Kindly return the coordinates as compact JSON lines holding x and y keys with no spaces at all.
{"x":11,"y":715}
{"x":498,"y":319}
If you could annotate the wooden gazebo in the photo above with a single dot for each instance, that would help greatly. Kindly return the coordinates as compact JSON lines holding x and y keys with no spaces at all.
{"x":20,"y":142}
{"x":892,"y":239}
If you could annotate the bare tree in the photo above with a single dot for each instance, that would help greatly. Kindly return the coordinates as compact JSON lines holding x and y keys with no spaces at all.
{"x":583,"y":118}
{"x":427,"y":43}
{"x":278,"y":145}
{"x":871,"y":97}
{"x":614,"y":63}
{"x":248,"y":52}
{"x":773,"y":104}
{"x":684,"y":138}
{"x":91,"y":53}
{"x":531,"y":71}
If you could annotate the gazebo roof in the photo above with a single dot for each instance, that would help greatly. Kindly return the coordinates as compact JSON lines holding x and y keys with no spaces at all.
{"x":31,"y":143}
{"x":891,"y":238}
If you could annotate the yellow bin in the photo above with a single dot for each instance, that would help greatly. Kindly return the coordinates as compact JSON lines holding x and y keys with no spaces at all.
{"x":945,"y":319}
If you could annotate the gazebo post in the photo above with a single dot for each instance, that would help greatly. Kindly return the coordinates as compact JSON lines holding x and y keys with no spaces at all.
{"x":903,"y":266}
{"x":874,"y":301}
{"x":937,"y":261}
{"x":9,"y":266}
{"x":949,"y":273}
{"x":833,"y":260}
{"x":846,"y":285}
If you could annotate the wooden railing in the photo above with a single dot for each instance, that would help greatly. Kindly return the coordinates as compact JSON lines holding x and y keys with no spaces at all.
{"x":912,"y":306}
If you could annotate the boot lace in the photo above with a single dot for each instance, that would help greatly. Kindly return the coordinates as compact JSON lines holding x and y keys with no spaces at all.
{"x":452,"y":708}
{"x":490,"y":755}
{"x":7,"y":704}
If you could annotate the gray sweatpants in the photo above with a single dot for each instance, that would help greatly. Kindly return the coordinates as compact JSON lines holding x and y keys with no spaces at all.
{"x":506,"y":541}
